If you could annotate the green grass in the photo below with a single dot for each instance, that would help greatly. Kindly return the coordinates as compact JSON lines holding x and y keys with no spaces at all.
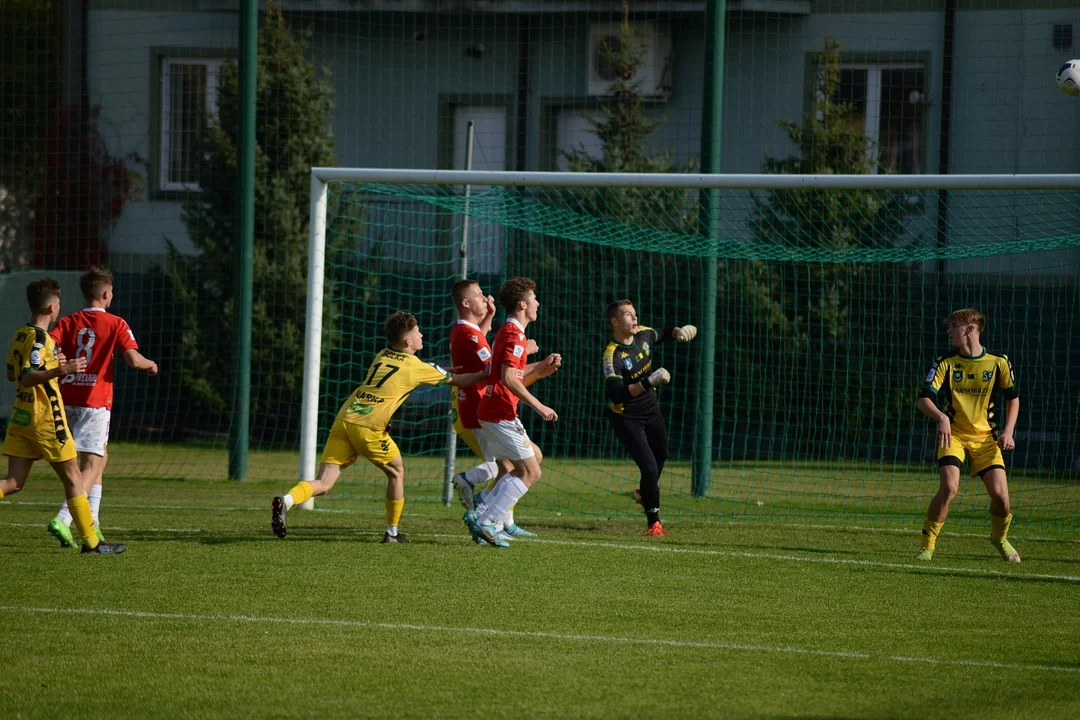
{"x":860,"y":492}
{"x":208,"y":615}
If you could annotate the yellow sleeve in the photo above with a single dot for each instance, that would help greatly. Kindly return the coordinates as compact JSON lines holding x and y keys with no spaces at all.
{"x":428,"y":374}
{"x":25,"y":355}
{"x":1006,"y":379}
{"x":939,"y":371}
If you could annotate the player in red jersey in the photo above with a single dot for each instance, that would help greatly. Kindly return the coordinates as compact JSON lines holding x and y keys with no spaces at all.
{"x":504,"y":436}
{"x":97,"y":335}
{"x":470,"y":352}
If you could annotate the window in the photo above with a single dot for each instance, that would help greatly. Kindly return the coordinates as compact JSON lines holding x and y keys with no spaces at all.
{"x":189,"y":90}
{"x":574,"y":132}
{"x":889,"y":105}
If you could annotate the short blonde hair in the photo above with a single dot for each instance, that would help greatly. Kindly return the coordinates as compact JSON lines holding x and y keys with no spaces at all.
{"x":967,"y":316}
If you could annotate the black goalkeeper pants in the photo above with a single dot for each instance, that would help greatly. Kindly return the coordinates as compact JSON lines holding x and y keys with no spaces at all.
{"x":646,"y":441}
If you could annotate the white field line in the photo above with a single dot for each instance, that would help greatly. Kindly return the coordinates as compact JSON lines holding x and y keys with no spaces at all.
{"x":979,"y":572}
{"x":538,"y":635}
{"x":740,"y":523}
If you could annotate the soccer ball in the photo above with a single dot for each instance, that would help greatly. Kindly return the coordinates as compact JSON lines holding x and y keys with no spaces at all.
{"x":1068,"y":78}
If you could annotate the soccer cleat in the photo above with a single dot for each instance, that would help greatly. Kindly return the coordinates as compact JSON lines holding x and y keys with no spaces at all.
{"x":926,"y":555}
{"x":277,"y":517}
{"x":516,"y":531}
{"x":464,"y":491}
{"x":387,"y":538}
{"x":104,"y":549}
{"x":100,"y":537}
{"x":61,"y":532}
{"x":1008,"y":552}
{"x":636,"y":495}
{"x":503,"y":535}
{"x":657,"y":530}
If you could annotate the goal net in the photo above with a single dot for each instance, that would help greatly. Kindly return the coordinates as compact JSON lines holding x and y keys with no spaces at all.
{"x":820,"y":302}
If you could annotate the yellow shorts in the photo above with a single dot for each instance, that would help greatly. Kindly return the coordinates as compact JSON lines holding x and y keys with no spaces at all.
{"x":41,"y":448}
{"x":469,"y":437}
{"x":349,"y":440}
{"x":982,"y":453}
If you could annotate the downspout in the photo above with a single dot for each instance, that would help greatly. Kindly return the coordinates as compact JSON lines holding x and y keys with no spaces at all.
{"x":947,"y":49}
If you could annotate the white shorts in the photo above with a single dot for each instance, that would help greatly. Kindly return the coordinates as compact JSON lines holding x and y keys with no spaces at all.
{"x":505,"y":440}
{"x":90,"y":428}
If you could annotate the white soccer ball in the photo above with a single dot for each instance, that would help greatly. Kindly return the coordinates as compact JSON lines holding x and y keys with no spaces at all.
{"x":1068,"y":78}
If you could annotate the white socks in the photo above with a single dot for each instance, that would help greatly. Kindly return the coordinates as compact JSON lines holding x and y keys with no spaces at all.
{"x":289,"y":502}
{"x":391,"y":530}
{"x":505,"y":496}
{"x":64,"y":515}
{"x":94,"y":496}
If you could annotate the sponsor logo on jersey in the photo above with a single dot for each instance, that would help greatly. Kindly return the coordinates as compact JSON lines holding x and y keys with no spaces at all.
{"x":80,"y":379}
{"x":958,"y":374}
{"x":519,"y":350}
{"x":484,"y":354}
{"x":988,"y":375}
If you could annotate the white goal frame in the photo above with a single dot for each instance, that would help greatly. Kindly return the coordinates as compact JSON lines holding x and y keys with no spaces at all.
{"x":322,"y":176}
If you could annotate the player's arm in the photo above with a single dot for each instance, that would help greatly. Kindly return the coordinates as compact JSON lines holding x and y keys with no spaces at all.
{"x":489,"y":315}
{"x":1006,"y":381}
{"x":615,"y":385}
{"x":511,"y":380}
{"x":135,"y":359}
{"x":463,"y":380}
{"x":36,"y":375}
{"x":927,"y":404}
{"x":548,"y":366}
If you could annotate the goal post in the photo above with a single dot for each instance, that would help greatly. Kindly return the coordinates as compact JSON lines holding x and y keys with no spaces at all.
{"x":824,"y":282}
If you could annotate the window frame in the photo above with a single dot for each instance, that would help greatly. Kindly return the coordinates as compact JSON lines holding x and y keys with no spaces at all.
{"x":160,"y":57}
{"x":878,"y":62}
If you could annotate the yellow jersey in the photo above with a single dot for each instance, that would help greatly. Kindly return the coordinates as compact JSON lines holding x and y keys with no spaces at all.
{"x":966,"y":386}
{"x":390,"y":379}
{"x":39,"y":410}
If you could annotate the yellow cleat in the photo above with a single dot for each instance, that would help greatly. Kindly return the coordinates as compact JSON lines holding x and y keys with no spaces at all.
{"x":926,"y":555}
{"x":1007,"y":551}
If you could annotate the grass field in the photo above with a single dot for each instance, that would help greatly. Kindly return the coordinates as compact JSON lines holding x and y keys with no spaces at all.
{"x":208,"y":614}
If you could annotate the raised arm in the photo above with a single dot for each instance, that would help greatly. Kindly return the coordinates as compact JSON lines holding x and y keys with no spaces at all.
{"x":135,"y":359}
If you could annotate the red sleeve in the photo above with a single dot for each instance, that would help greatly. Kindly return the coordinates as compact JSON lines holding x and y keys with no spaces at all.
{"x":57,"y":332}
{"x":514,"y":352}
{"x":125,"y":339}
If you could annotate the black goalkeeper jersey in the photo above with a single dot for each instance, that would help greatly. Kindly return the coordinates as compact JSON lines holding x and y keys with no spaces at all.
{"x":625,"y":365}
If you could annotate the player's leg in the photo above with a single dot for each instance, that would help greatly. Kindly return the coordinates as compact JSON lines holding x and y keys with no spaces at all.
{"x":338,"y":453}
{"x":395,"y":498}
{"x":508,"y":525}
{"x":938,"y":511}
{"x":18,"y":471}
{"x":987,"y":462}
{"x":90,"y":430}
{"x":71,"y":477}
{"x":329,"y":472}
{"x":468,"y":483}
{"x":656,"y":435}
{"x":505,"y":440}
{"x":633,"y":436}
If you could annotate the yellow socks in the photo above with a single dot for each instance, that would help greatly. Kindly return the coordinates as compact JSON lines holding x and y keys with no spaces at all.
{"x":1,"y":494}
{"x":300,"y":494}
{"x":84,"y":519}
{"x":930,"y":532}
{"x":999,"y":527}
{"x":393,"y":511}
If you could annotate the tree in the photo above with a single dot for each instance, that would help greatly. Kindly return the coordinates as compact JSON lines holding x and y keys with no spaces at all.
{"x":293,"y":133}
{"x":813,"y":320}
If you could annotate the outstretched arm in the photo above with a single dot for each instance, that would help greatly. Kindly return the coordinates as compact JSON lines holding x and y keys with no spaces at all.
{"x":514,"y":383}
{"x":135,"y":359}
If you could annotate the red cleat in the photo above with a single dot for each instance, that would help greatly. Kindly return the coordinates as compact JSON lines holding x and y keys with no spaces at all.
{"x":657,"y":530}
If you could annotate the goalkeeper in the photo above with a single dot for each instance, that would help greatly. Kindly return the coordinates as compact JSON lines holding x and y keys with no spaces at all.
{"x":630,"y":382}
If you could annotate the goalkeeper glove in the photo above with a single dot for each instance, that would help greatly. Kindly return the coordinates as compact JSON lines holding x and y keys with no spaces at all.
{"x":686,"y":333}
{"x":656,"y":377}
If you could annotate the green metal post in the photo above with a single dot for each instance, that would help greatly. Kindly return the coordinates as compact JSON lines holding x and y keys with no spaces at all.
{"x":245,"y":241}
{"x":711,"y":120}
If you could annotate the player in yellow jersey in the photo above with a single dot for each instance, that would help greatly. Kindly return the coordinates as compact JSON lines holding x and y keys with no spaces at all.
{"x":969,"y":424}
{"x":38,"y":428}
{"x":360,"y":427}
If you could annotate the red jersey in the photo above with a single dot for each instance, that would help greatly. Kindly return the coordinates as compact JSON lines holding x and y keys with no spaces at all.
{"x":499,"y":403}
{"x":470,"y":352}
{"x":95,"y":334}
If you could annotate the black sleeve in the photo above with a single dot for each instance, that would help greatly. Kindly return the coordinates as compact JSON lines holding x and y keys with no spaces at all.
{"x":617,"y":391}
